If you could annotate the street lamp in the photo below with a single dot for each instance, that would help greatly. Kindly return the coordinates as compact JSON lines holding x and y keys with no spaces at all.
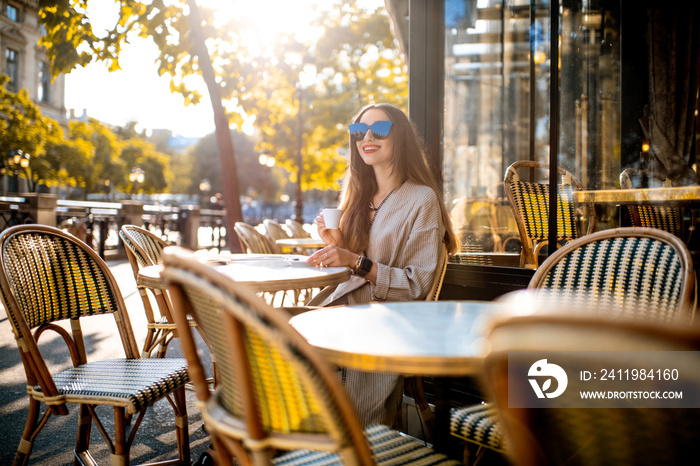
{"x":16,"y":161}
{"x":137,"y":176}
{"x":267,"y":161}
{"x":307,"y":77}
{"x":204,"y":188}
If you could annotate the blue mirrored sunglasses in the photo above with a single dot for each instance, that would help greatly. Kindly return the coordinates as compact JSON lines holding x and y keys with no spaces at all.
{"x":380,"y":130}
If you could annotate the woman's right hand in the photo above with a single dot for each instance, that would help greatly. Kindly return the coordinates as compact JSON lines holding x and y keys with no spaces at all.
{"x":329,"y":236}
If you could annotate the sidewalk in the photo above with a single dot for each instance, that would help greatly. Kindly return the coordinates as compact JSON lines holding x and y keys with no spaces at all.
{"x":155,"y":440}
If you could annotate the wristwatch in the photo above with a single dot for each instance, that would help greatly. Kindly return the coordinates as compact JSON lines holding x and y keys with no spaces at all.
{"x":362,"y":266}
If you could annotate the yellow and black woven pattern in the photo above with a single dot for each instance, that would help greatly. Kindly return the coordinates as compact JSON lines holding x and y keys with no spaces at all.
{"x":388,"y":448}
{"x":286,"y":403}
{"x":52,"y":279}
{"x":132,"y":383}
{"x":532,"y":201}
{"x":662,"y":218}
{"x":636,"y":275}
{"x":478,"y":424}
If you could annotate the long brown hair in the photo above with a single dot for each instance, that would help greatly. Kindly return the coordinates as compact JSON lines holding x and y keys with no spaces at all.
{"x":360,"y":184}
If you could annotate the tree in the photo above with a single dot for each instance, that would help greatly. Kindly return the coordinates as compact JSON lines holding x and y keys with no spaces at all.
{"x":24,"y":130}
{"x":139,"y":153}
{"x":180,"y":33}
{"x":103,"y":161}
{"x":358,"y":61}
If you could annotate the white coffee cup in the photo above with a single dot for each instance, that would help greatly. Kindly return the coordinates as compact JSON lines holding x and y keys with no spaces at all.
{"x":332,"y":217}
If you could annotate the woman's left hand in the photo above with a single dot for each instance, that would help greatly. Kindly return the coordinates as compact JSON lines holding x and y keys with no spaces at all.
{"x":333,"y":256}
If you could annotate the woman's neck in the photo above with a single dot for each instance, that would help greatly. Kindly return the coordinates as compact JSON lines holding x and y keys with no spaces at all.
{"x":386,"y":182}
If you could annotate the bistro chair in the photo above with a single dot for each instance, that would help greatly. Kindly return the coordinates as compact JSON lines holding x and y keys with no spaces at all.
{"x":275,"y":231}
{"x":529,"y":202}
{"x":297,"y":229}
{"x":641,"y":273}
{"x":662,"y":217}
{"x":48,"y":279}
{"x":144,"y":248}
{"x":278,"y":400}
{"x":254,"y":242}
{"x":597,"y":434}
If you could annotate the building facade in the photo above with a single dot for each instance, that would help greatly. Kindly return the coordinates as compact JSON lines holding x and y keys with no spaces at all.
{"x":25,"y":62}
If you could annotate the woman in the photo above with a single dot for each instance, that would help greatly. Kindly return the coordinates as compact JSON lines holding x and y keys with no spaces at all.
{"x":392,"y":233}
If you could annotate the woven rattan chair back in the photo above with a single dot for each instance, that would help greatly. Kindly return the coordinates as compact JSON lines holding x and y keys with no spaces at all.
{"x":622,"y":435}
{"x":297,"y":229}
{"x":275,"y":231}
{"x":276,"y":392}
{"x":253,"y":242}
{"x":660,"y":217}
{"x":640,"y":273}
{"x":529,"y":202}
{"x":643,"y":272}
{"x":47,"y":276}
{"x":143,"y":249}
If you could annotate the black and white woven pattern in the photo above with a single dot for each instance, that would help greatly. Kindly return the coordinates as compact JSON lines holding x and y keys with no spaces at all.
{"x":632,"y":275}
{"x":388,"y":448}
{"x":478,"y":424}
{"x":132,"y":383}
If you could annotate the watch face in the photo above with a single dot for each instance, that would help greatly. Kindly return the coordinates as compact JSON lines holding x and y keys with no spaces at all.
{"x":365,"y":266}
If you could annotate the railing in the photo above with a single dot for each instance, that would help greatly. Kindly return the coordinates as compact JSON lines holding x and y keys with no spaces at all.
{"x":98,"y":223}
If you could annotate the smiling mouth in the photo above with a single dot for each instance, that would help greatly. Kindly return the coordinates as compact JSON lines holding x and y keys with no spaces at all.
{"x":370,"y":149}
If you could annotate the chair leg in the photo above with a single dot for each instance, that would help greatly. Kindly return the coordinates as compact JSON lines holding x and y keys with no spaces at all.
{"x":82,"y":444}
{"x":182,"y":425}
{"x":120,"y":456}
{"x":31,"y":430}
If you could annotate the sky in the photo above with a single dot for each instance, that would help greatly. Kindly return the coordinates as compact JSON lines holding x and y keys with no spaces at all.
{"x":137,"y":93}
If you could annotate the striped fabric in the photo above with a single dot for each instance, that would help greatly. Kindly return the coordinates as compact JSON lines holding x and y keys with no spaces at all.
{"x":532,"y":201}
{"x":388,"y":447}
{"x":637,"y":276}
{"x":132,"y":383}
{"x":478,"y":424}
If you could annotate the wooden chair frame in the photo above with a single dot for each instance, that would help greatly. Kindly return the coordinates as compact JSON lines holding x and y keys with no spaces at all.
{"x":533,"y":240}
{"x":556,"y":267}
{"x":254,"y":242}
{"x":47,"y":276}
{"x":218,"y":303}
{"x":143,"y":249}
{"x":587,"y":435}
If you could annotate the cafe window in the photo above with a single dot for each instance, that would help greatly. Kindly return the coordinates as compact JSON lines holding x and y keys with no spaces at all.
{"x":12,"y":69}
{"x":44,"y":82}
{"x":624,"y":108}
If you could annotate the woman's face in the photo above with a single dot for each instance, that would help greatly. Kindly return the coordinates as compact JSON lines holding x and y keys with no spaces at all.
{"x":375,"y":152}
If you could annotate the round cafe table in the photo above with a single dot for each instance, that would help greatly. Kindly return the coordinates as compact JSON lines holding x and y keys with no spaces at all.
{"x":261,"y":272}
{"x":431,"y":338}
{"x":428,"y":338}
